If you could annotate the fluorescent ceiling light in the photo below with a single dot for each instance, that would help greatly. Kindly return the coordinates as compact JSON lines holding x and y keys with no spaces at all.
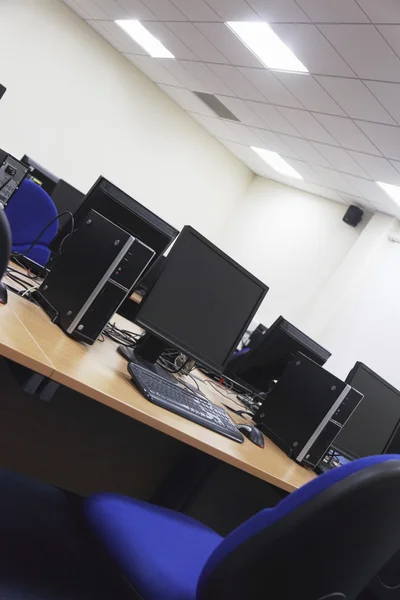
{"x":276,"y":162}
{"x":267,"y":46}
{"x":392,"y":190}
{"x":144,"y":38}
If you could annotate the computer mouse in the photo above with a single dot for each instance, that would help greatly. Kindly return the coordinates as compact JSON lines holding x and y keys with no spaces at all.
{"x":3,"y":293}
{"x":252,"y":433}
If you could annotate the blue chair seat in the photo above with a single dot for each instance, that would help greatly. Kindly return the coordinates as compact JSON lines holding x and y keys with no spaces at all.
{"x":162,"y":553}
{"x":347,"y":517}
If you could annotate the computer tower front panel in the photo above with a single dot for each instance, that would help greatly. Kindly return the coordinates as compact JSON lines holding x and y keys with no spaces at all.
{"x":306,"y":410}
{"x":94,"y":274}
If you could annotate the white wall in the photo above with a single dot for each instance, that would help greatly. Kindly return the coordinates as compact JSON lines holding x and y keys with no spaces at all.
{"x":293,"y":241}
{"x":365,"y":325}
{"x":81,"y":109}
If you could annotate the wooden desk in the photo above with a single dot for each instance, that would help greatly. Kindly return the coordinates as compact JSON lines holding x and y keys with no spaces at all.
{"x":17,"y":344}
{"x":101,"y":374}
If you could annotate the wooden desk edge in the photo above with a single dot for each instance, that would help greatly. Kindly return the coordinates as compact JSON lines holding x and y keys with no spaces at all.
{"x":193,"y":441}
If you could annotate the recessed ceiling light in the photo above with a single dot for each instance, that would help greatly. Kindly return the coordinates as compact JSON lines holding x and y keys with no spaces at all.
{"x":392,"y":190}
{"x":267,"y":46}
{"x":144,"y":38}
{"x":276,"y":162}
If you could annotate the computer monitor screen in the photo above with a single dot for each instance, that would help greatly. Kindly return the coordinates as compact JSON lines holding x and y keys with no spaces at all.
{"x":203,"y":301}
{"x":66,"y":198}
{"x":121,"y":209}
{"x":268,"y":360}
{"x":369,"y":429}
{"x":47,"y":180}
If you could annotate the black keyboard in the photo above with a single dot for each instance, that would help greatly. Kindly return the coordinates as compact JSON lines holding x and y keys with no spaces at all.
{"x":183,"y":402}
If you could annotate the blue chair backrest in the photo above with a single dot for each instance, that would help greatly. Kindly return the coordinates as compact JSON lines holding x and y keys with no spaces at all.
{"x":28,"y":213}
{"x":332,"y":536}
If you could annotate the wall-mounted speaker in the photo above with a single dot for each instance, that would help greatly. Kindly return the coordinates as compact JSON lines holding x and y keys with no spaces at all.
{"x":353,"y":216}
{"x":2,"y":91}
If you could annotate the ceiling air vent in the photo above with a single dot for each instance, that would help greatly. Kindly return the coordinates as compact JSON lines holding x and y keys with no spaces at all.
{"x":216,"y":106}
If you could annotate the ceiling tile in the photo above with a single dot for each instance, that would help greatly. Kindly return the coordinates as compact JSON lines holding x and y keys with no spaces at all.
{"x":327,"y":11}
{"x":83,"y":10}
{"x":112,"y":9}
{"x":196,"y":10}
{"x":197,"y":42}
{"x":396,"y":165}
{"x":136,"y":10}
{"x":357,"y":201}
{"x":355,"y":98}
{"x":233,"y":10}
{"x":381,"y":11}
{"x":365,"y":51}
{"x":385,"y":137}
{"x":307,"y":125}
{"x":209,"y":80}
{"x":347,"y":133}
{"x":246,"y":135}
{"x":274,"y":142}
{"x":272,"y":118}
{"x":310,"y":93}
{"x":229,"y":44}
{"x":279,"y":11}
{"x":306,"y":151}
{"x":341,"y":160}
{"x":172,"y":42}
{"x":181,"y":74}
{"x":237,"y":149}
{"x":391,"y":34}
{"x":164,"y":10}
{"x":373,"y":193}
{"x":379,"y":169}
{"x":117,"y":37}
{"x":153,"y":69}
{"x":216,"y":127}
{"x":270,"y":87}
{"x":312,"y":49}
{"x":304,"y":170}
{"x":242,"y":111}
{"x":389,"y":95}
{"x":186,"y":100}
{"x":322,"y":192}
{"x":239,"y":85}
{"x":334,"y":180}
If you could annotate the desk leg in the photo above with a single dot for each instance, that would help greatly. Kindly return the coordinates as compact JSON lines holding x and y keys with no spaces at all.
{"x":28,"y":380}
{"x":185,"y":479}
{"x":48,"y":390}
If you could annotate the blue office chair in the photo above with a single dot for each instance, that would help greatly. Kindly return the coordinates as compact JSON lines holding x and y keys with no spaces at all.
{"x":28,"y":212}
{"x":326,"y":540}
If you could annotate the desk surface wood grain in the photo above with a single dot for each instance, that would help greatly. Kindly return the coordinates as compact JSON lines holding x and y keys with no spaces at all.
{"x":100,"y":373}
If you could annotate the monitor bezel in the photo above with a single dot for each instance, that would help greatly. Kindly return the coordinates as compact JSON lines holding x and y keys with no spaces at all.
{"x":166,"y":337}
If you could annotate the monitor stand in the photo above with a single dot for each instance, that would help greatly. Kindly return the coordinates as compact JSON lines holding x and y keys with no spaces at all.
{"x":146,"y":353}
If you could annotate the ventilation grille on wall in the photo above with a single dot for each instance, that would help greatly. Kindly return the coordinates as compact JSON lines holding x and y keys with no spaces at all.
{"x":216,"y":106}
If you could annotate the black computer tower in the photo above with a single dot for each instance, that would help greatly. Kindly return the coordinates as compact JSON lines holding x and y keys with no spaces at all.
{"x":306,"y":409}
{"x":12,"y":174}
{"x":97,"y":269}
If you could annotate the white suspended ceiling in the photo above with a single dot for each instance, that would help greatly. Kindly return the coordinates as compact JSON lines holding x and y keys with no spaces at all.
{"x":338,"y":126}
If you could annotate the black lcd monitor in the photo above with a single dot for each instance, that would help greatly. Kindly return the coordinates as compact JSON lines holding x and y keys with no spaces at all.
{"x":43,"y":177}
{"x":263,"y":365}
{"x":2,"y":91}
{"x":114,"y":204}
{"x":201,"y":304}
{"x":370,"y":429}
{"x":66,"y":198}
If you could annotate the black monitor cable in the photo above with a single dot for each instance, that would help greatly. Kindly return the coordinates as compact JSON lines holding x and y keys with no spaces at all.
{"x":37,"y":240}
